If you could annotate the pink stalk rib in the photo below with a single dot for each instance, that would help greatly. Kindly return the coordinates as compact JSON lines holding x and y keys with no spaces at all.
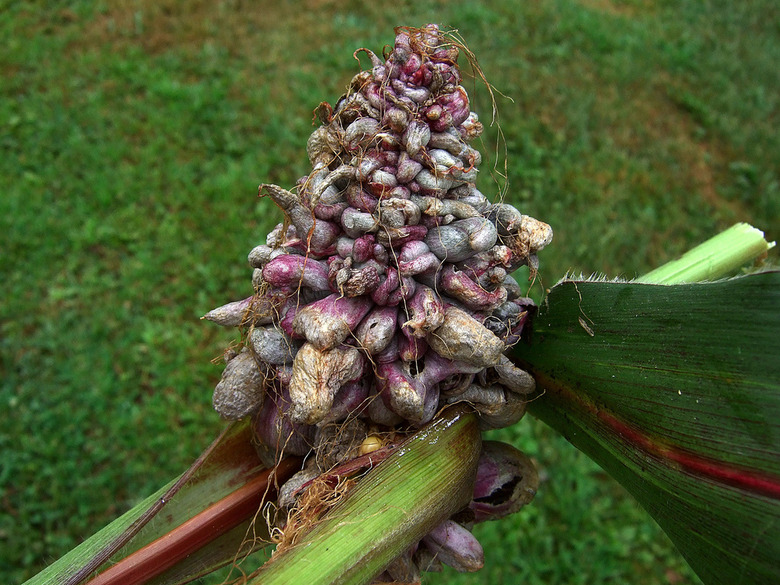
{"x":197,"y":532}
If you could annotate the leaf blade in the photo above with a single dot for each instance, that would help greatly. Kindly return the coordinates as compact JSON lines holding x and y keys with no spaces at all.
{"x":676,"y":392}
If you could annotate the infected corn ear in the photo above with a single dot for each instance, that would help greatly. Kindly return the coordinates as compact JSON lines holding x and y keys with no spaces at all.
{"x":386,"y":292}
{"x":390,"y":252}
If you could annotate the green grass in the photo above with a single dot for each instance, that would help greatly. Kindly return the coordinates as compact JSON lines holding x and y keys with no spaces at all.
{"x":134,"y":136}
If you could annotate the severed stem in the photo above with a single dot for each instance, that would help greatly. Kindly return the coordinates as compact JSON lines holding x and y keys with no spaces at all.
{"x":715,"y":258}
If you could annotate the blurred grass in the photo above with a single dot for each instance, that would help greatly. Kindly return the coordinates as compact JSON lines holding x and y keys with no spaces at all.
{"x":135,"y":134}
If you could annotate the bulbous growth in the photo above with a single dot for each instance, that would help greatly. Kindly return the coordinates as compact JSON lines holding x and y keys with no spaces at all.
{"x":390,"y":250}
{"x":385,"y":294}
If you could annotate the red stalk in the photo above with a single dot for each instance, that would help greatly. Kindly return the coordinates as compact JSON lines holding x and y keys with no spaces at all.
{"x":216,"y":520}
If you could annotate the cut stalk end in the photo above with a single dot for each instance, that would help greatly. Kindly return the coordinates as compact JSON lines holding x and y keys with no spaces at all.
{"x":715,"y":258}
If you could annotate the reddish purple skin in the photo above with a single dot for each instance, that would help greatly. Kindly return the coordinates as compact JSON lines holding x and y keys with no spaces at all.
{"x":480,"y":263}
{"x":382,"y":181}
{"x":438,"y":368}
{"x":456,"y":104}
{"x":381,"y":319}
{"x":423,"y":76}
{"x":389,"y":284}
{"x":360,"y":199}
{"x":455,"y":546}
{"x":350,"y":399}
{"x":368,"y":164}
{"x":231,"y":314}
{"x":394,"y":374}
{"x":488,"y":474}
{"x":389,"y":354}
{"x":448,"y":73}
{"x":458,"y":285}
{"x":424,"y":263}
{"x":408,"y":233}
{"x":445,"y":56}
{"x":444,"y":119}
{"x":349,"y":309}
{"x":274,"y":428}
{"x":399,"y":192}
{"x":431,"y":221}
{"x":288,"y":316}
{"x":499,"y":471}
{"x":407,"y":169}
{"x":344,"y":246}
{"x":412,"y":250}
{"x":363,"y":248}
{"x":321,"y":238}
{"x":410,"y":66}
{"x":411,"y":348}
{"x":374,"y":95}
{"x":329,"y":212}
{"x":424,"y":308}
{"x":415,"y":257}
{"x":405,"y":290}
{"x":434,"y":369}
{"x":289,"y":271}
{"x":515,"y":333}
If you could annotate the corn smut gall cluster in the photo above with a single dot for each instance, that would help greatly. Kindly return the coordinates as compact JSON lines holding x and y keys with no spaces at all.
{"x":386,"y":293}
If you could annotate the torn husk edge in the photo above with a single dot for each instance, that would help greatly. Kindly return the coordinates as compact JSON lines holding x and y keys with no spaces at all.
{"x":376,"y":521}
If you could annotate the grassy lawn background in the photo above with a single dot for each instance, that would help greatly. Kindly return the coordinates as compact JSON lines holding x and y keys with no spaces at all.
{"x":135,"y":133}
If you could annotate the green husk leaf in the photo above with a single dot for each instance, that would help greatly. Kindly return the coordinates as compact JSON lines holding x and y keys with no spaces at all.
{"x":675,"y":391}
{"x":229,"y":463}
{"x":426,"y":480}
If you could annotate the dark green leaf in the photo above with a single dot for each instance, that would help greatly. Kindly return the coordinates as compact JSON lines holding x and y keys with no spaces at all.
{"x":675,"y":391}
